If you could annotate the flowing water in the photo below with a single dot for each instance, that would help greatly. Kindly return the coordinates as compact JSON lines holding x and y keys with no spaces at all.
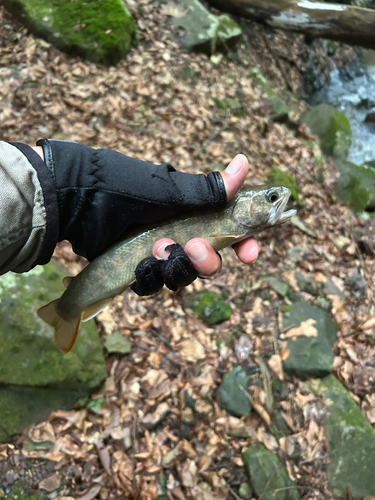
{"x":352,"y":91}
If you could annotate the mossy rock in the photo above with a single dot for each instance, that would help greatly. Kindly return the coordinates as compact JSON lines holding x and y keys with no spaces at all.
{"x":268,"y":475}
{"x":356,"y":185}
{"x":35,"y":377}
{"x":101,"y":31}
{"x":230,"y":396}
{"x":351,"y":441}
{"x":209,"y":306}
{"x":310,"y":356}
{"x":278,"y":177}
{"x":279,"y":110}
{"x":332,"y":128}
{"x":204,"y":32}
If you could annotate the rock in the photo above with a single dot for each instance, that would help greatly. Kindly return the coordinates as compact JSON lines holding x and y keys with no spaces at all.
{"x":280,"y":178}
{"x":370,"y":117}
{"x":332,"y":128}
{"x":230,"y":396}
{"x":306,"y":283}
{"x":351,"y":441}
{"x":209,"y":306}
{"x":355,"y":281}
{"x":204,"y":32}
{"x":268,"y":475}
{"x":310,"y":356}
{"x":245,"y":491}
{"x":356,"y":185}
{"x":35,"y":377}
{"x":101,"y":31}
{"x":279,"y":110}
{"x":280,"y":287}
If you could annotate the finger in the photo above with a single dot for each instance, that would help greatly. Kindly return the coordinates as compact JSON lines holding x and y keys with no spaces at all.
{"x":235,"y":174}
{"x":247,"y":250}
{"x":159,"y":251}
{"x":203,"y":256}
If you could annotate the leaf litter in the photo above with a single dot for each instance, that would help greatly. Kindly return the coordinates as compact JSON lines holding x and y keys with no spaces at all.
{"x":156,"y":427}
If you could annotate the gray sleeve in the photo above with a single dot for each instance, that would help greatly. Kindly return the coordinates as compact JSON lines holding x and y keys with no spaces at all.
{"x":23,"y":213}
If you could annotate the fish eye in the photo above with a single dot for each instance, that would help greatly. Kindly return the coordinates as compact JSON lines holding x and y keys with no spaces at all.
{"x":272,"y":196}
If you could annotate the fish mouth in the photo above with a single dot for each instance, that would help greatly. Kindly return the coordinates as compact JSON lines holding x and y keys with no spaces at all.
{"x":278,"y":216}
{"x":286,"y":216}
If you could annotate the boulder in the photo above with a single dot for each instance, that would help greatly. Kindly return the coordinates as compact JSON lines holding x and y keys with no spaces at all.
{"x":351,"y":441}
{"x":102,"y":31}
{"x":356,"y":185}
{"x":204,"y":32}
{"x":35,"y":377}
{"x":269,"y":477}
{"x":332,"y":128}
{"x":310,"y":356}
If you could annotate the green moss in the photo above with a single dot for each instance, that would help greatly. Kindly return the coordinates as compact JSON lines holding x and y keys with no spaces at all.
{"x":17,"y":494}
{"x":209,"y":306}
{"x":102,"y":31}
{"x":356,"y":185}
{"x":280,"y":178}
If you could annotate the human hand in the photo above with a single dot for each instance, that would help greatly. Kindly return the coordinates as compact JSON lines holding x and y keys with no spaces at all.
{"x":204,"y":258}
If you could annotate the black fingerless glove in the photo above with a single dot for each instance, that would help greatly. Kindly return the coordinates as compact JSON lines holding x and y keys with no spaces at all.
{"x":94,"y":196}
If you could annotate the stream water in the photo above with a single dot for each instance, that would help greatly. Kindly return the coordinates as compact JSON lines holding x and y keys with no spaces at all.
{"x":352,"y":91}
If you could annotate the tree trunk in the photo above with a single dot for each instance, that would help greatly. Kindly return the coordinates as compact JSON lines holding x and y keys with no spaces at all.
{"x":353,"y":25}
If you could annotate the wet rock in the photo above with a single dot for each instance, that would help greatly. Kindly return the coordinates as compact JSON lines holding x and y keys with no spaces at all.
{"x":269,"y":477}
{"x":209,"y":306}
{"x":310,"y":356}
{"x":231,"y":397}
{"x":331,"y":127}
{"x":370,"y":117}
{"x":356,"y":185}
{"x":351,"y":441}
{"x":204,"y":32}
{"x":280,"y":178}
{"x":35,"y":377}
{"x":99,"y":31}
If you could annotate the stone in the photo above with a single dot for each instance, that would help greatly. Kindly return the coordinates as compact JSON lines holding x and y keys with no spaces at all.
{"x":204,"y":32}
{"x":245,"y":491}
{"x":279,"y":110}
{"x":332,"y":128}
{"x":35,"y":377}
{"x":269,"y":477}
{"x":351,"y":441}
{"x":356,"y":185}
{"x":230,"y":396}
{"x":209,"y":306}
{"x":278,"y":177}
{"x":280,"y":287}
{"x":310,"y":356}
{"x":102,"y":32}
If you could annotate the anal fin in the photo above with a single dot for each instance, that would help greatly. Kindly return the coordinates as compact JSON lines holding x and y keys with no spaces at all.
{"x":93,"y":309}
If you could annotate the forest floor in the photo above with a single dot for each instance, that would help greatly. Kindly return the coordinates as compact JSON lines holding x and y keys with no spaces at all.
{"x":159,"y":106}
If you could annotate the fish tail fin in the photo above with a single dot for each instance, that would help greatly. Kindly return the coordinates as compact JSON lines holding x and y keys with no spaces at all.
{"x":66,"y":329}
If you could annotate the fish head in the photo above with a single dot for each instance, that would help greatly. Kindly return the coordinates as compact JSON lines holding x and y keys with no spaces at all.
{"x":261,"y":207}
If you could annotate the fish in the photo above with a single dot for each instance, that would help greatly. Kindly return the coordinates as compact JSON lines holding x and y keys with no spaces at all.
{"x":252,"y":210}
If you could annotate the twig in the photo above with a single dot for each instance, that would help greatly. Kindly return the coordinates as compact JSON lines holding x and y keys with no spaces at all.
{"x":215,"y":134}
{"x":237,"y":497}
{"x":160,"y":337}
{"x":267,"y":385}
{"x":267,"y":484}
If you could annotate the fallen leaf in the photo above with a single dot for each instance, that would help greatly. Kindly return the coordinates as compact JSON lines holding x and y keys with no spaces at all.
{"x":305,"y":329}
{"x":91,"y":493}
{"x":275,"y":363}
{"x":51,"y":483}
{"x":284,"y":354}
{"x":192,"y":350}
{"x":173,"y":9}
{"x":118,"y":343}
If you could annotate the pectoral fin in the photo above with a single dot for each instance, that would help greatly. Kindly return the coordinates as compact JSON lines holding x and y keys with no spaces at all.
{"x":226,"y":236}
{"x":94,"y":309}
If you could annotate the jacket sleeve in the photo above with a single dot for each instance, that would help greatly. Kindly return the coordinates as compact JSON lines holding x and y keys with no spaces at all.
{"x":26,"y":188}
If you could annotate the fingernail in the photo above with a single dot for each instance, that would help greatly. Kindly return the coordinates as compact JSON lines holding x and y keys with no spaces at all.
{"x":235,"y":165}
{"x":161,"y":253}
{"x":197,"y":252}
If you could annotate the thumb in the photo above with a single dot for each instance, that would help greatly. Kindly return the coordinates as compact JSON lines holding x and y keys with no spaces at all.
{"x":235,"y":174}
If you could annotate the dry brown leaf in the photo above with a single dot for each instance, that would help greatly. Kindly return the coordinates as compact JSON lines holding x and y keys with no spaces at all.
{"x":305,"y":329}
{"x":275,"y":363}
{"x":368,"y":325}
{"x":91,"y":493}
{"x":191,"y":350}
{"x":51,"y":483}
{"x":284,"y":354}
{"x":173,"y":9}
